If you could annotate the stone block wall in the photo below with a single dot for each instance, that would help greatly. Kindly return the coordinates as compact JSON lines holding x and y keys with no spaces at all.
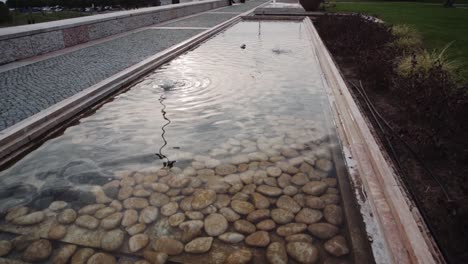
{"x":22,"y":42}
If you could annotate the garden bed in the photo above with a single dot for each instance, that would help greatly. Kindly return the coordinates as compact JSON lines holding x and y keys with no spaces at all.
{"x":418,"y":118}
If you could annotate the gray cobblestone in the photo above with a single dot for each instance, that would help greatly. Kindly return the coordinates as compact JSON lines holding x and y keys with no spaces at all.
{"x":202,"y":20}
{"x":29,"y":89}
{"x":240,"y":8}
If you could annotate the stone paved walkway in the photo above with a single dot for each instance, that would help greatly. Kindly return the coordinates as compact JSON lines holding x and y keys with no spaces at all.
{"x":29,"y":89}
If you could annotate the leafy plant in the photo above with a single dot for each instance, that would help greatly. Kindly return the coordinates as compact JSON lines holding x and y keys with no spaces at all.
{"x":423,"y":61}
{"x":407,"y":39}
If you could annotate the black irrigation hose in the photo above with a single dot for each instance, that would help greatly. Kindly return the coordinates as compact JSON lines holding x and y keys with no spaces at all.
{"x":376,"y":114}
{"x":167,"y":163}
{"x":423,"y":213}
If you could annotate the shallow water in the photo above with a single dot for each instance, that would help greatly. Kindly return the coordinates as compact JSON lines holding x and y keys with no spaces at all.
{"x":255,"y":88}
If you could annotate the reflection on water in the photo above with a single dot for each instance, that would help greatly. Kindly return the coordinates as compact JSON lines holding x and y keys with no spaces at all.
{"x":247,"y":123}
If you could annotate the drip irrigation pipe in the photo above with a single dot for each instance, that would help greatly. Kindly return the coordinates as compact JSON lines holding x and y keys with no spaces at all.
{"x":377,"y":116}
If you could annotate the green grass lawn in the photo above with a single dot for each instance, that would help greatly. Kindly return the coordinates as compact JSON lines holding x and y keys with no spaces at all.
{"x":438,"y":25}
{"x":22,"y":18}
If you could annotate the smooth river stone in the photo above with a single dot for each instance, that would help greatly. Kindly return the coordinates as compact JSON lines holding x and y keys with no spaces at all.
{"x":244,"y":227}
{"x":57,"y":232}
{"x":5,"y":247}
{"x":315,"y":188}
{"x":136,"y":229}
{"x":266,"y":225}
{"x":314,"y":202}
{"x":137,"y":242}
{"x":81,"y":256}
{"x":125,"y":193}
{"x":112,"y":240}
{"x":191,"y":229}
{"x":257,"y":156}
{"x":241,"y":256}
{"x":199,"y":245}
{"x":242,"y":207}
{"x":291,"y":229}
{"x":231,"y":237}
{"x":258,"y":215}
{"x":135,"y":203}
{"x":258,"y":239}
{"x":168,"y":245}
{"x":87,"y":221}
{"x":330,"y":198}
{"x":112,"y":221}
{"x":178,"y":218}
{"x":337,"y":246}
{"x":23,"y":241}
{"x":58,"y":205}
{"x":104,"y":212}
{"x":287,"y":203}
{"x":299,"y":179}
{"x":276,"y":253}
{"x":333,"y":214}
{"x":269,"y":190}
{"x":273,"y":171}
{"x":284,"y":180}
{"x":148,"y":215}
{"x":300,"y":238}
{"x":331,"y":182}
{"x":16,"y":212}
{"x":39,"y":250}
{"x":281,"y":216}
{"x":169,"y":209}
{"x":270,"y":181}
{"x":101,"y":258}
{"x":159,"y":199}
{"x":308,"y":216}
{"x":67,"y":216}
{"x":130,"y":217}
{"x":324,"y":165}
{"x":260,"y":201}
{"x":323,"y":230}
{"x":302,"y":252}
{"x":90,"y":209}
{"x":203,"y":198}
{"x":155,"y":257}
{"x":215,"y":224}
{"x":290,"y":190}
{"x":222,"y":200}
{"x":229,"y":214}
{"x":160,"y":187}
{"x":192,"y":215}
{"x":30,"y":219}
{"x":64,"y":254}
{"x":225,"y":169}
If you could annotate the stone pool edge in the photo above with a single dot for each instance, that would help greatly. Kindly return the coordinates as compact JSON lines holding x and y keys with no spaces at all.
{"x":393,"y":222}
{"x":25,"y":135}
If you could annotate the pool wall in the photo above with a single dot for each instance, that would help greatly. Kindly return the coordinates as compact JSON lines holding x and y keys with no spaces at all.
{"x":22,"y":42}
{"x":393,"y":223}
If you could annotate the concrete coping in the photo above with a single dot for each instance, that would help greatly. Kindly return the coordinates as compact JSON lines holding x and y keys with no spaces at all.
{"x":19,"y":31}
{"x":399,"y":234}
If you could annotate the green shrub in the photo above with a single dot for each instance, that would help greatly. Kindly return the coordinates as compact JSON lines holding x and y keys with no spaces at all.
{"x":4,"y":13}
{"x":407,"y":39}
{"x":423,"y":62}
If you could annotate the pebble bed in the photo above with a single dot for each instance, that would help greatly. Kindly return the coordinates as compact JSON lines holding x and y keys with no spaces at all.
{"x":276,"y":200}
